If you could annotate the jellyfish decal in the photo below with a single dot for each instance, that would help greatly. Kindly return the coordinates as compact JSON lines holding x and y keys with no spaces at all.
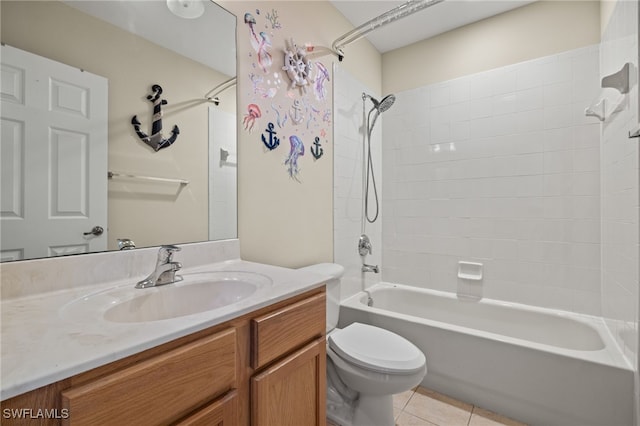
{"x":296,"y":151}
{"x":253,"y":113}
{"x":320,"y":81}
{"x":251,"y":21}
{"x":264,"y":57}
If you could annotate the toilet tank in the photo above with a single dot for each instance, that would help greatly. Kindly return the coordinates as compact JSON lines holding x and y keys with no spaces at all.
{"x":334,"y":272}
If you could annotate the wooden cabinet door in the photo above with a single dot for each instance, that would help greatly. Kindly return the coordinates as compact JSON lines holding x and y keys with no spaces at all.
{"x":292,"y":392}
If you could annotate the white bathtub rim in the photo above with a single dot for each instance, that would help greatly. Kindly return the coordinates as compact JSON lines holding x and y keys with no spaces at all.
{"x":610,"y":355}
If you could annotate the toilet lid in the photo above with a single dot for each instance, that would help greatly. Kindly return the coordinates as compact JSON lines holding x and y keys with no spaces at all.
{"x":376,"y":349}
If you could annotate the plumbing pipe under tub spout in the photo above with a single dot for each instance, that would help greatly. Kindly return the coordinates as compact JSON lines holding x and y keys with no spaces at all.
{"x":369,"y":298}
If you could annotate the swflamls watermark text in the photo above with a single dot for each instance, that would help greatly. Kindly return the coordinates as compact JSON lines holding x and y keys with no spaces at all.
{"x":35,"y":413}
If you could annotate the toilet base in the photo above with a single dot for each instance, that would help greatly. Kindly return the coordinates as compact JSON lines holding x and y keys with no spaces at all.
{"x":339,"y":411}
{"x":374,"y":410}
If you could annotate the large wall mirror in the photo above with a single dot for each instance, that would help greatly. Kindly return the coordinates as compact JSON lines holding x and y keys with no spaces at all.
{"x":76,"y":174}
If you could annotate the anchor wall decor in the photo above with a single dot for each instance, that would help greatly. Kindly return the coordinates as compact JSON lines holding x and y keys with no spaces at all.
{"x":316,"y":149}
{"x":273,"y":141}
{"x":155,"y":141}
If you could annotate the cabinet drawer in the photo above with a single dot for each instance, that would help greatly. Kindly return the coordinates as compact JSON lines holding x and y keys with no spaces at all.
{"x":281,"y":331}
{"x":222,"y":412}
{"x":159,"y":390}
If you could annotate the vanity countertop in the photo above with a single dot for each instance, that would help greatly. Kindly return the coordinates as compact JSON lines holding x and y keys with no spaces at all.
{"x":41,"y":346}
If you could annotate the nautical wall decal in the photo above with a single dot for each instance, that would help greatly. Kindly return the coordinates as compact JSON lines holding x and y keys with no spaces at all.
{"x":155,"y":141}
{"x":292,"y":102}
{"x":320,"y":82}
{"x":316,"y":149}
{"x":296,"y":151}
{"x":273,"y":141}
{"x":260,"y":42}
{"x":297,"y":66}
{"x":253,"y":113}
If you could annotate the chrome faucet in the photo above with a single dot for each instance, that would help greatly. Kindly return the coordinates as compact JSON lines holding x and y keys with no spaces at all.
{"x":370,"y":268}
{"x":126,"y":244}
{"x":166,"y":268}
{"x":365,"y":248}
{"x":364,"y":245}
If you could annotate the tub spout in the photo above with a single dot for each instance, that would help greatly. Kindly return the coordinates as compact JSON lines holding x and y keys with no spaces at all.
{"x":370,"y":268}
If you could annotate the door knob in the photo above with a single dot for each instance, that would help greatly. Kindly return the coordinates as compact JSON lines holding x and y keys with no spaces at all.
{"x":97,"y":230}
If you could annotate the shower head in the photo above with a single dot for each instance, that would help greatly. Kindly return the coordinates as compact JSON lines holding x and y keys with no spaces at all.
{"x":386,"y":103}
{"x":382,"y":105}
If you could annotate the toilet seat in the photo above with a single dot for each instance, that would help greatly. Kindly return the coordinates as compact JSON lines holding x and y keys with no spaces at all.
{"x":376,"y":349}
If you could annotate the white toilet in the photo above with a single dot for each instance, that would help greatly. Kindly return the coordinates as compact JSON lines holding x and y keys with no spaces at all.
{"x":366,"y":365}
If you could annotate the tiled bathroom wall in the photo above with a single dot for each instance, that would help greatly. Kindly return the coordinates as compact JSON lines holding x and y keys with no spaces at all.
{"x":620,"y":254}
{"x":500,"y":168}
{"x":348,"y":169}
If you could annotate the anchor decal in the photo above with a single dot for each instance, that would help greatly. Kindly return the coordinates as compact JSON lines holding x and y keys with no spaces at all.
{"x":155,"y":141}
{"x":274,"y":141}
{"x":316,"y":149}
{"x":296,"y":112}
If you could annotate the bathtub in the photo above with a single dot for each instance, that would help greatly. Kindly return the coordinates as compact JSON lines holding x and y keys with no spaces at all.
{"x":535,"y":365}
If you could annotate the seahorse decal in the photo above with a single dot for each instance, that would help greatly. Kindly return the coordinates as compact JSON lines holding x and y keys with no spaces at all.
{"x":155,"y":141}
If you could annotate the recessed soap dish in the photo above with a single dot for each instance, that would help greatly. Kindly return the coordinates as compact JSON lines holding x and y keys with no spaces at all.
{"x":470,"y":271}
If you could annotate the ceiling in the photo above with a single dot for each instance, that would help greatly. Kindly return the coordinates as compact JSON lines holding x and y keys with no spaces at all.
{"x":434,"y":20}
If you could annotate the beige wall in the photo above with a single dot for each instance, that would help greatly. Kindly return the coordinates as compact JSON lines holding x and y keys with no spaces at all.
{"x":281,"y":221}
{"x":538,"y":29}
{"x":150,"y":214}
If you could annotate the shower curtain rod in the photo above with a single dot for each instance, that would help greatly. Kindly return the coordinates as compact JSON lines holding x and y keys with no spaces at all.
{"x":405,"y":9}
{"x":212,"y":94}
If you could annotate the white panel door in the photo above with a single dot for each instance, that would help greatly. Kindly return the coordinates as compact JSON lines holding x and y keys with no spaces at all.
{"x":53,"y":157}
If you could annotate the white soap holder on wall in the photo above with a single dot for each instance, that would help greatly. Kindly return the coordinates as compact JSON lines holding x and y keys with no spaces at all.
{"x":471,"y":271}
{"x":617,"y":99}
{"x":620,"y":80}
{"x":597,"y":110}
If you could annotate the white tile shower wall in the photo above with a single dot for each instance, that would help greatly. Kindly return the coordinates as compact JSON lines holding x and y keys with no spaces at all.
{"x":502,"y":168}
{"x":620,"y":274}
{"x":348,"y":169}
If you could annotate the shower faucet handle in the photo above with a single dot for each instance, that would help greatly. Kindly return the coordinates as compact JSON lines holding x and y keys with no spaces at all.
{"x":364,"y":245}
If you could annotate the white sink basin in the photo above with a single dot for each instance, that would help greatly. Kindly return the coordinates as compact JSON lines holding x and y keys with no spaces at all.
{"x":197,"y":293}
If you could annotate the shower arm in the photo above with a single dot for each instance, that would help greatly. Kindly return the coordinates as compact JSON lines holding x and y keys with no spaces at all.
{"x":405,"y":9}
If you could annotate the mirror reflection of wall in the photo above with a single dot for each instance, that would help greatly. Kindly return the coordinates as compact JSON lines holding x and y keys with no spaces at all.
{"x":223,"y":163}
{"x":148,"y":212}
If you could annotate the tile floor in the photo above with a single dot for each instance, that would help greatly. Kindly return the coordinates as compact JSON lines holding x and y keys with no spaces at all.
{"x":424,"y":407}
